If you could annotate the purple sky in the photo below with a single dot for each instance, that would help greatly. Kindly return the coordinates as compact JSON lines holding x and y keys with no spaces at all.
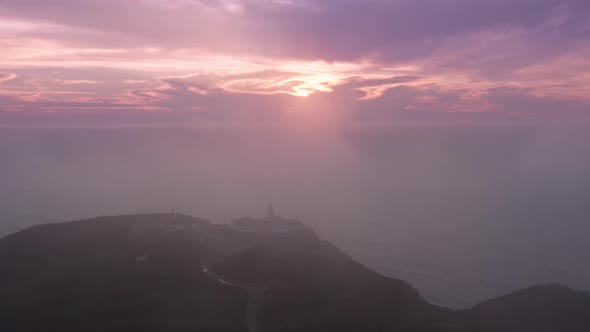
{"x":106,"y":62}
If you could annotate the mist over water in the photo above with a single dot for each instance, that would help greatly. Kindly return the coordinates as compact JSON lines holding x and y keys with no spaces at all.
{"x":463,"y":213}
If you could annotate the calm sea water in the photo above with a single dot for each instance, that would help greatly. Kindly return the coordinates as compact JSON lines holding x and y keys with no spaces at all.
{"x":462,"y":213}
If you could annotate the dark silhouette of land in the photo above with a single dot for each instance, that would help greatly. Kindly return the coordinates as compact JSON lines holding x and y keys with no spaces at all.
{"x":171,"y":272}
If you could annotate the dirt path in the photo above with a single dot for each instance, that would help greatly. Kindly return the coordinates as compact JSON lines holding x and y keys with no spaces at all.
{"x":254,"y":299}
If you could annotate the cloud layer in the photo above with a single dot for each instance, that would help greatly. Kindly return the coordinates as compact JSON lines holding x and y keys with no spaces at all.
{"x":369,"y":60}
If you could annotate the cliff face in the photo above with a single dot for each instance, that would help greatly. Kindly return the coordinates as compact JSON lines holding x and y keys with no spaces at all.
{"x":538,"y":308}
{"x":173,"y":273}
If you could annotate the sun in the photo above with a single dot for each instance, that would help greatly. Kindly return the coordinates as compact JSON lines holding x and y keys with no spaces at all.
{"x":310,"y":84}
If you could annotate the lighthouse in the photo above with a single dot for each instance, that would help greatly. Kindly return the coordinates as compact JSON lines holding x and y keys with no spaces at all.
{"x":270,"y":212}
{"x":270,"y":223}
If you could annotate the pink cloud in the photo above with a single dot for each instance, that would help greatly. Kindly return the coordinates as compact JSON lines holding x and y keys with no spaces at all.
{"x":7,"y":77}
{"x":348,"y":56}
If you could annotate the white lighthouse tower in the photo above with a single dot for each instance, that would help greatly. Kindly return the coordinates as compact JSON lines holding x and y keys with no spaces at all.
{"x":270,"y":212}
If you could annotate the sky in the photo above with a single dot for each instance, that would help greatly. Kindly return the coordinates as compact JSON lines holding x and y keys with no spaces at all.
{"x":328,"y":108}
{"x":195,"y":62}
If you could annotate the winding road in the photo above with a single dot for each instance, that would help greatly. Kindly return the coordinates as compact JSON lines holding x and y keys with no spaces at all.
{"x":254,"y":299}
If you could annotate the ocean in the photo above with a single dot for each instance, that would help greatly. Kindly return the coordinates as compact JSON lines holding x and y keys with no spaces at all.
{"x":463,"y":213}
